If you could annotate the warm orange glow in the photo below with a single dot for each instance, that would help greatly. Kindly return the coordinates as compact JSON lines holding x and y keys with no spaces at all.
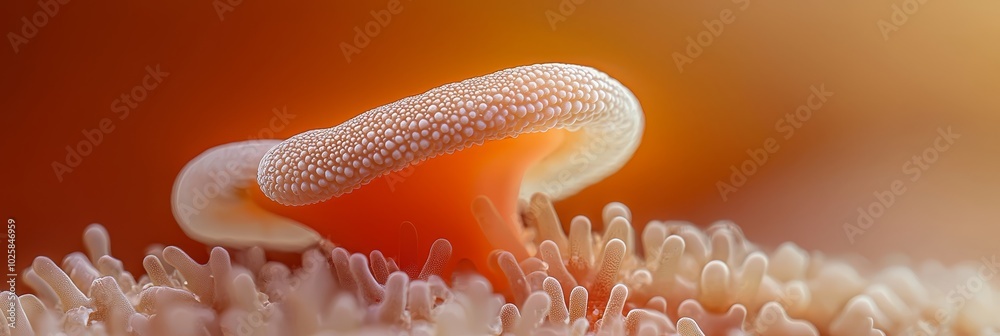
{"x":430,"y":196}
{"x":226,"y":77}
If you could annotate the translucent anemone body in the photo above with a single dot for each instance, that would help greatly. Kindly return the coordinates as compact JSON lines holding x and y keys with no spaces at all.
{"x":531,"y":274}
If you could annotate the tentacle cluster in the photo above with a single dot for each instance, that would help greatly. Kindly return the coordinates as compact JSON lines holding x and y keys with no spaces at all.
{"x":727,"y":286}
{"x":670,"y":279}
{"x":244,"y":294}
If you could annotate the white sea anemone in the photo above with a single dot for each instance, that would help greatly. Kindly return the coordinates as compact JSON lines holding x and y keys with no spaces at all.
{"x":673,"y":278}
{"x":617,"y":282}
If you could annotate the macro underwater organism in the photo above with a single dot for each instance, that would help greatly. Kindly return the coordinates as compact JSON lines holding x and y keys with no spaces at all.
{"x":669,"y":278}
{"x":580,"y":107}
{"x":711,"y":282}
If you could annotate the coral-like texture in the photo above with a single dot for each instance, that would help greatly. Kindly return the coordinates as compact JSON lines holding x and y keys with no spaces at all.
{"x":575,"y":125}
{"x":319,"y":164}
{"x":616,"y":282}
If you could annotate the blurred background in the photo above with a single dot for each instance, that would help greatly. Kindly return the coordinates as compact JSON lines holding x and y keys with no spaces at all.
{"x":848,"y":99}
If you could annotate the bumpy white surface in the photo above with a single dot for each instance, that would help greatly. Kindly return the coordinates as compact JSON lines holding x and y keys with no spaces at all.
{"x":604,"y":115}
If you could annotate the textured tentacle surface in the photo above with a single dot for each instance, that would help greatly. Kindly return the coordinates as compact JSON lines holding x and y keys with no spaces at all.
{"x":603,"y":115}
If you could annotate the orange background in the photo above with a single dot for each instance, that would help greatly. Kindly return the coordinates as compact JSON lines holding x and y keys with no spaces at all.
{"x":939,"y":69}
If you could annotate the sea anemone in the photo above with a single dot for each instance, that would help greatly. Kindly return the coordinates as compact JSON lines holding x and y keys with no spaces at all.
{"x":711,"y":282}
{"x":573,"y":126}
{"x":527,"y":274}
